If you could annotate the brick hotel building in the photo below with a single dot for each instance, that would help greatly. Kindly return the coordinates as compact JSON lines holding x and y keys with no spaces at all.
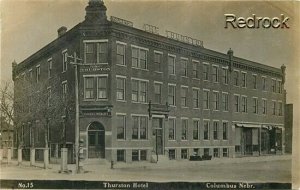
{"x":142,"y":94}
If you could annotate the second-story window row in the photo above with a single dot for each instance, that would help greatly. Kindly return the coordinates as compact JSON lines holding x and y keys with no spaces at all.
{"x":95,"y":87}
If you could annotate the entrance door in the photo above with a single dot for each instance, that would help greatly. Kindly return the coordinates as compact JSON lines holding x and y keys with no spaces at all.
{"x":96,"y":141}
{"x":248,"y":141}
{"x":158,"y":130}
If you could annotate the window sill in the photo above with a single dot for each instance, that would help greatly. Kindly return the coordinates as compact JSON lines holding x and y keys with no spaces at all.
{"x":140,"y":140}
{"x":196,"y":108}
{"x":205,"y":80}
{"x":89,"y":100}
{"x":122,"y":101}
{"x":216,"y":110}
{"x":184,"y":107}
{"x":196,"y":78}
{"x":173,"y":140}
{"x":185,"y":77}
{"x":101,"y":100}
{"x":196,"y":140}
{"x":206,"y":109}
{"x":121,"y":140}
{"x":225,"y":111}
{"x":90,"y":64}
{"x":159,"y":72}
{"x":140,"y":69}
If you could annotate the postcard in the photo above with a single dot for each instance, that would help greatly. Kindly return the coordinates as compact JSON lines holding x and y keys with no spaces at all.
{"x":156,"y":94}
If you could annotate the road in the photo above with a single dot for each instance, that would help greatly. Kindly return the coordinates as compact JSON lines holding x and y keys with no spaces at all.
{"x":258,"y":171}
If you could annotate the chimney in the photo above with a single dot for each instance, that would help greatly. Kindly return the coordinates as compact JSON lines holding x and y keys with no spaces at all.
{"x":61,"y":31}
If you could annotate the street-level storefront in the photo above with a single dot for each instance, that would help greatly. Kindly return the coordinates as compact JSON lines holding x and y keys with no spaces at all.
{"x":257,"y":139}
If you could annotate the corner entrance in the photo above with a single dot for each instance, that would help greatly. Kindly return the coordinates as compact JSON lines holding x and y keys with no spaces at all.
{"x":96,"y":140}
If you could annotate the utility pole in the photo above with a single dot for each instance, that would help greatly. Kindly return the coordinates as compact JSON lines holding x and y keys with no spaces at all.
{"x":76,"y":64}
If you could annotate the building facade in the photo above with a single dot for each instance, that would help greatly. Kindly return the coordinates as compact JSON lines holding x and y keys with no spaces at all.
{"x":143,"y":95}
{"x":288,"y":123}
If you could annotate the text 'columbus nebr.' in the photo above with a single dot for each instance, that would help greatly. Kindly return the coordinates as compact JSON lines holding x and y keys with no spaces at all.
{"x":256,"y":22}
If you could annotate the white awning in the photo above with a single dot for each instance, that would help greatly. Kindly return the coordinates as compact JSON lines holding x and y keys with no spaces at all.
{"x":248,"y":125}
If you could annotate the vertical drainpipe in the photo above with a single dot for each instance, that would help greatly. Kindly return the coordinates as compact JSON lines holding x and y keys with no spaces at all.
{"x":283,"y":68}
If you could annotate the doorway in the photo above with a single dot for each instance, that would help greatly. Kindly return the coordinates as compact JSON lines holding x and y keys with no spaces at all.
{"x":96,"y":140}
{"x":158,"y":133}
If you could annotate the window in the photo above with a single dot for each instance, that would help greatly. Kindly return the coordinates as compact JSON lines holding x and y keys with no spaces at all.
{"x":184,"y":92}
{"x":143,"y":155}
{"x":38,"y":73}
{"x":96,"y":52}
{"x":215,"y":100}
{"x":225,"y":101}
{"x":255,"y":105}
{"x":279,"y":84}
{"x":157,"y":93}
{"x":196,"y":130}
{"x":225,"y":152}
{"x":216,"y":129}
{"x":184,"y":125}
{"x":184,"y":153}
{"x":120,"y":155}
{"x":64,"y":90}
{"x":120,"y":88}
{"x":49,"y":96}
{"x":205,"y":99}
{"x":273,"y":107}
{"x":139,"y":155}
{"x":139,"y":128}
{"x":171,"y":95}
{"x":264,"y":106}
{"x":206,"y":151}
{"x":158,"y":61}
{"x":206,"y":129}
{"x":121,"y":125}
{"x":65,"y":59}
{"x":171,"y":65}
{"x":236,"y":78}
{"x":134,"y":57}
{"x":139,"y":91}
{"x":172,"y":154}
{"x":89,"y":87}
{"x":280,"y":108}
{"x":244,"y":104}
{"x":49,"y":68}
{"x":121,"y":54}
{"x":135,"y":155}
{"x":205,"y":71}
{"x":184,"y":67}
{"x":236,"y":103}
{"x":273,"y":85}
{"x":215,"y":74}
{"x":216,"y":152}
{"x":264,"y":83}
{"x":225,"y":130}
{"x":195,"y":98}
{"x":244,"y":79}
{"x":143,"y":91}
{"x":30,"y":74}
{"x":225,"y":75}
{"x":102,"y":88}
{"x":139,"y":58}
{"x":172,"y":126}
{"x":254,"y":81}
{"x":195,"y":69}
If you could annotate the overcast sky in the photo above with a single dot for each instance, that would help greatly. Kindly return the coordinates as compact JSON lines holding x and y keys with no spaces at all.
{"x":29,"y":25}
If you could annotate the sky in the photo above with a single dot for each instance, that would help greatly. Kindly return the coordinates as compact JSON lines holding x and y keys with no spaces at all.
{"x":27,"y":26}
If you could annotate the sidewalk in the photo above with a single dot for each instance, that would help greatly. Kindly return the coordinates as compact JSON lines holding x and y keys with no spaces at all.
{"x":146,"y":164}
